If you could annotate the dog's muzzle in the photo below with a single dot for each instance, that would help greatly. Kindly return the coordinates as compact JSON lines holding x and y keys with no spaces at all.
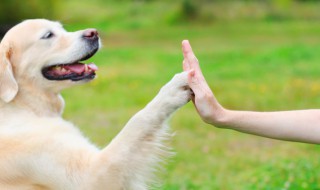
{"x":75,"y":70}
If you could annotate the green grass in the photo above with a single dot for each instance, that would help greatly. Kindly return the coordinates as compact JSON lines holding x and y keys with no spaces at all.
{"x":250,"y":65}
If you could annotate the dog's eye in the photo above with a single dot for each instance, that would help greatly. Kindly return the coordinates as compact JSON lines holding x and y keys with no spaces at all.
{"x":48,"y":35}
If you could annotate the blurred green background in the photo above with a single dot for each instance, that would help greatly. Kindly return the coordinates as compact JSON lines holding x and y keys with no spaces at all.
{"x":256,"y":55}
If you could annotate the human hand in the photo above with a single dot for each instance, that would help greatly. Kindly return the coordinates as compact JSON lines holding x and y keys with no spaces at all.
{"x":205,"y":102}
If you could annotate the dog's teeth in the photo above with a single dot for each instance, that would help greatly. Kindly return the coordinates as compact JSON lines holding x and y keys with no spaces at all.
{"x":86,"y":68}
{"x":63,"y":69}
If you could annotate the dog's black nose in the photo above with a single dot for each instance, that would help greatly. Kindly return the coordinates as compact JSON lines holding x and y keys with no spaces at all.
{"x":90,"y":34}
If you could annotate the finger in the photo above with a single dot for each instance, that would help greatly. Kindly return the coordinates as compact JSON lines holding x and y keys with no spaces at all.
{"x":190,"y":57}
{"x":191,"y":73}
{"x":186,"y":65}
{"x":193,"y":62}
{"x":191,"y":77}
{"x":187,"y":52}
{"x":186,"y":48}
{"x":194,"y":83}
{"x":198,"y":84}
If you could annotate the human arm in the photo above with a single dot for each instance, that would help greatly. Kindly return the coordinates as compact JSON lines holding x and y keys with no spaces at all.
{"x":298,"y":125}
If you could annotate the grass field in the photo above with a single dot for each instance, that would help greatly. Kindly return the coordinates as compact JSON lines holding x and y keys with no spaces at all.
{"x":250,"y":65}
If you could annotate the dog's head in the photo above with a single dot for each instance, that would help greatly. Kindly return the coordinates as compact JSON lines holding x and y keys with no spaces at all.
{"x":44,"y":54}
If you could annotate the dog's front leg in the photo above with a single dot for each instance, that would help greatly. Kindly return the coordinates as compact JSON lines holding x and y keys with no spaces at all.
{"x":129,"y":161}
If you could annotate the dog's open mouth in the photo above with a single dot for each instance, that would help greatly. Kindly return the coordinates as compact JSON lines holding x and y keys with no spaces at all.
{"x":72,"y":71}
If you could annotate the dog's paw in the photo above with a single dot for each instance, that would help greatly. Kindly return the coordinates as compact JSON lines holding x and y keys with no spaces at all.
{"x":176,"y":92}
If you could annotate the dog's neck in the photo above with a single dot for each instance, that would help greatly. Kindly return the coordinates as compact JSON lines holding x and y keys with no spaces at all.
{"x":41,"y":103}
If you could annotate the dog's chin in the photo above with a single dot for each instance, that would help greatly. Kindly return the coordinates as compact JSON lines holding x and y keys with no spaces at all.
{"x":74,"y":71}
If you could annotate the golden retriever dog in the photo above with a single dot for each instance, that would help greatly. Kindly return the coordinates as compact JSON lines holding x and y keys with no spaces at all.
{"x":39,"y":150}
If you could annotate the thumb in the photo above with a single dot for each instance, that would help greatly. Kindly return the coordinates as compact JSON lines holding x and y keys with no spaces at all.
{"x":194,"y":82}
{"x":198,"y":84}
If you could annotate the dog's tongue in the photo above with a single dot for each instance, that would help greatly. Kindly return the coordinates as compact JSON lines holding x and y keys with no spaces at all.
{"x":76,"y":68}
{"x":80,"y":68}
{"x":93,"y":67}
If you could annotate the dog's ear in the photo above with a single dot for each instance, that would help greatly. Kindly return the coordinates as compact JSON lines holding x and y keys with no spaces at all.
{"x":8,"y":84}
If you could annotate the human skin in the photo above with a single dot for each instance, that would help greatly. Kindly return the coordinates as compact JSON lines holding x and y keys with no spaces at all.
{"x":295,"y":125}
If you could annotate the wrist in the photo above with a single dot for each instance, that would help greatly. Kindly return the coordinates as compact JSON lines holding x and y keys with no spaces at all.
{"x":219,"y":118}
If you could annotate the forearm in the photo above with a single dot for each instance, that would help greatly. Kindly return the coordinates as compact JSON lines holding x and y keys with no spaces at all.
{"x":300,"y":126}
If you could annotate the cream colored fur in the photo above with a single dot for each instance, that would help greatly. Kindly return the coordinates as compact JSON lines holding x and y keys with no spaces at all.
{"x":39,"y":150}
